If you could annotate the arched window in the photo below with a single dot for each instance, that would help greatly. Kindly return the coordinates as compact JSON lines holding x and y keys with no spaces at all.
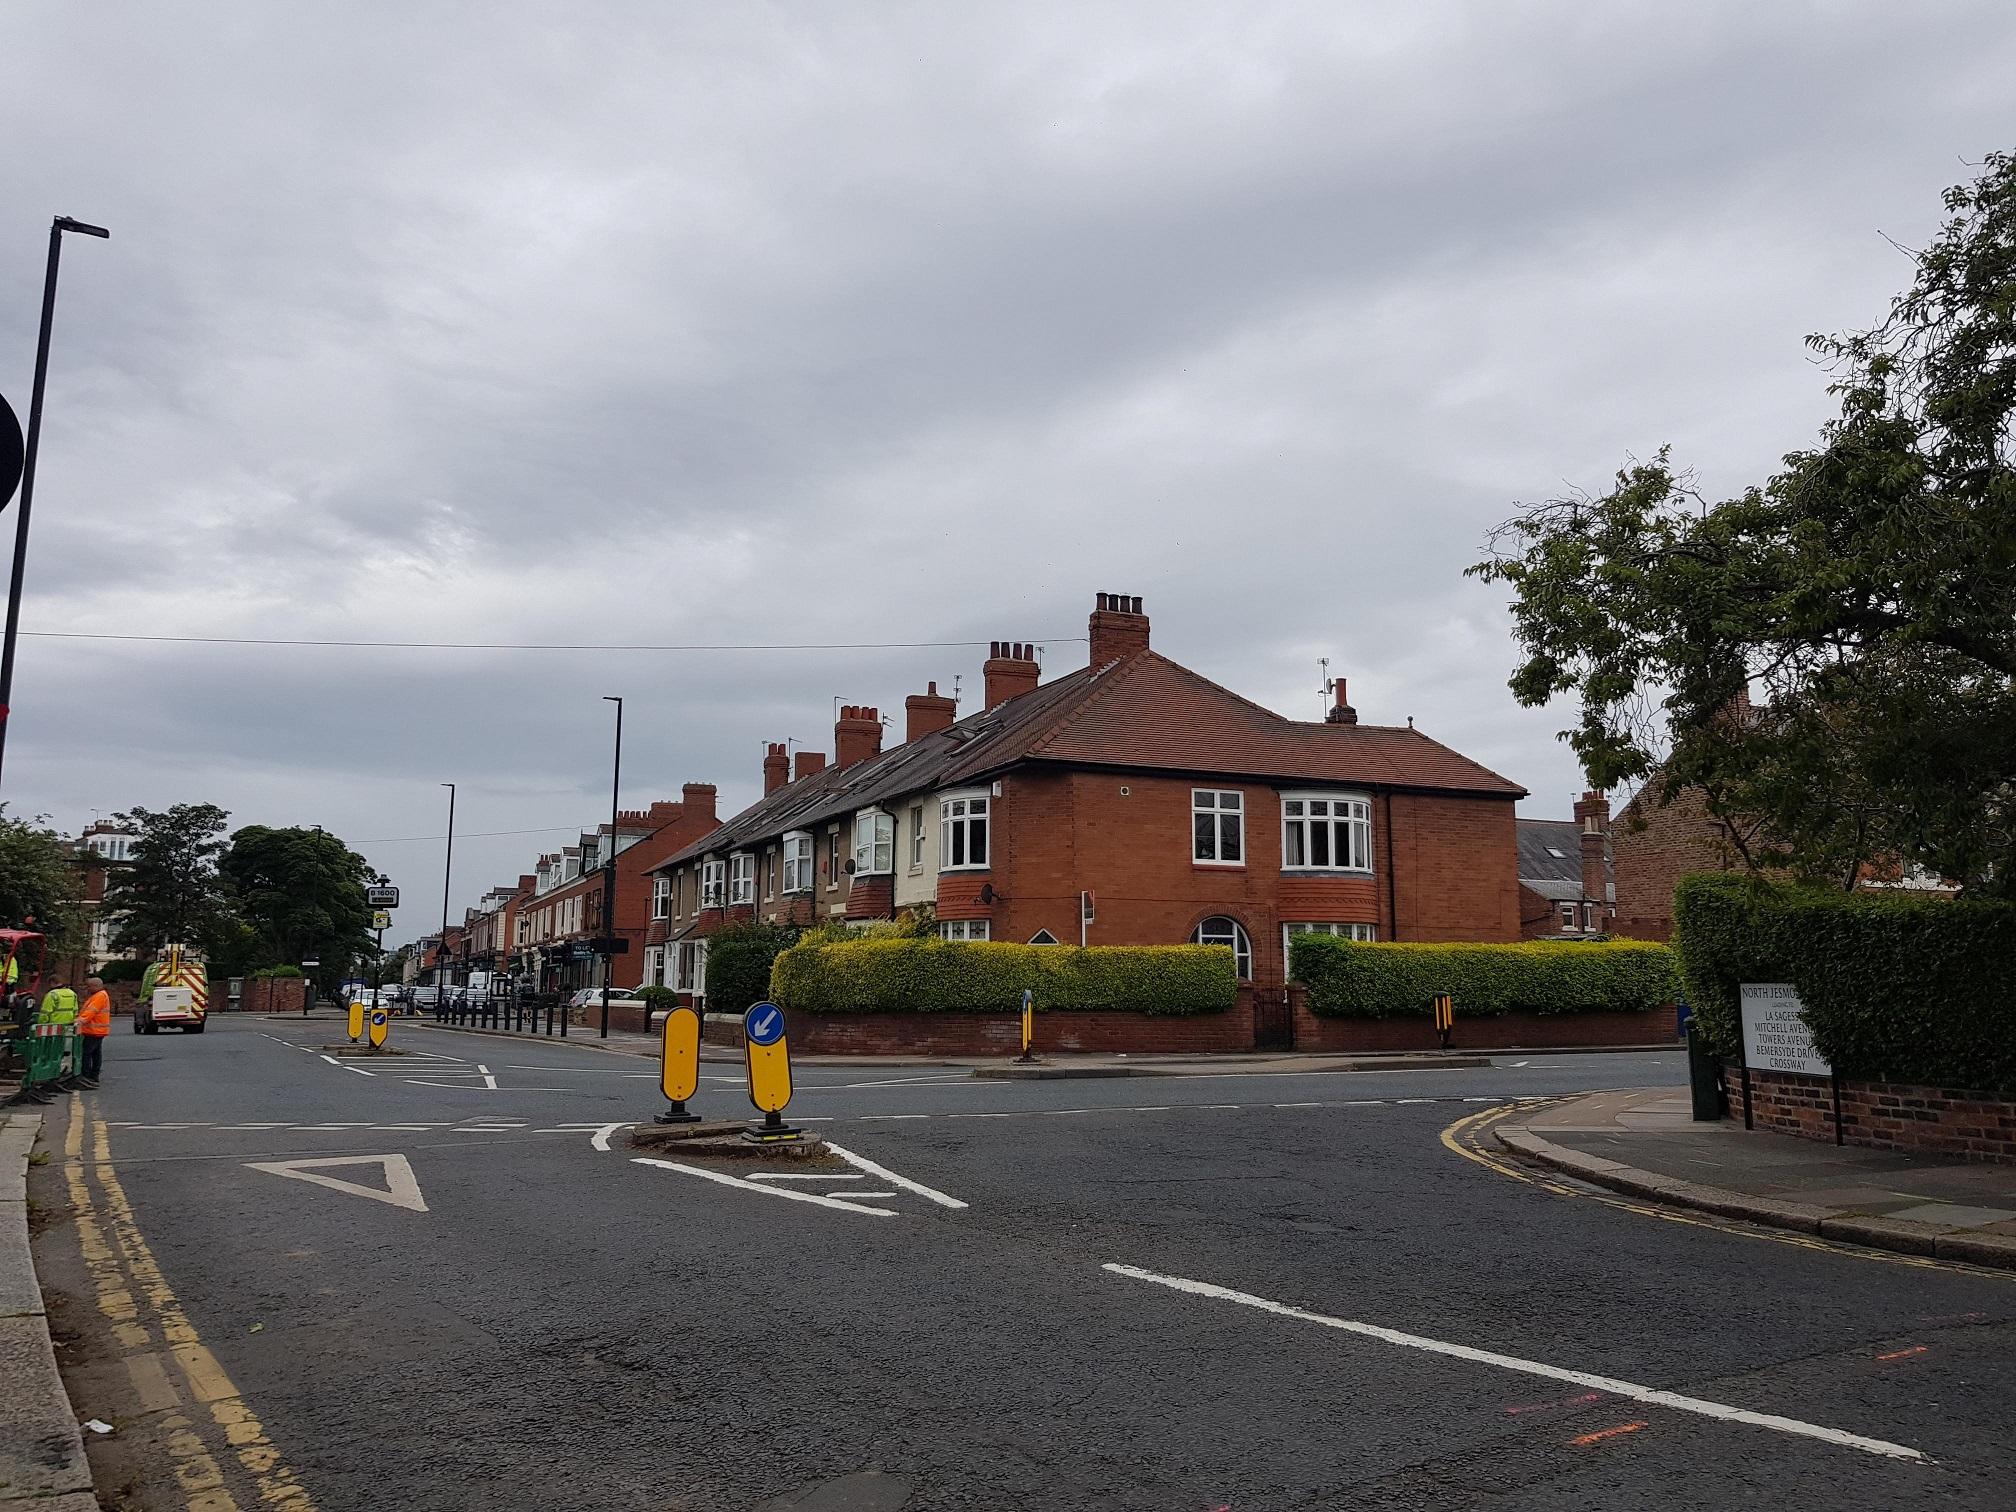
{"x":1223,"y":931}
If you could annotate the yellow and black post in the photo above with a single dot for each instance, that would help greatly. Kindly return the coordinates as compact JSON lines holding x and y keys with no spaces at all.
{"x":769,"y":1062}
{"x":1028,"y":1026}
{"x":1444,"y":1007}
{"x":679,"y":1065}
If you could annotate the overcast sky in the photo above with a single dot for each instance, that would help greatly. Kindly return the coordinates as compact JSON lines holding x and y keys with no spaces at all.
{"x":880,"y":322}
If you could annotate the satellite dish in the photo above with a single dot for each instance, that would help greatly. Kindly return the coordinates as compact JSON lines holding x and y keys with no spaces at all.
{"x":11,"y":453}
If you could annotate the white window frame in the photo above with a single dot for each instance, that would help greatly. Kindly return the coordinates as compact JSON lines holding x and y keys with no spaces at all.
{"x":690,"y":972}
{"x":833,"y":848}
{"x":770,"y":874}
{"x":741,"y":878}
{"x":916,"y":837}
{"x":797,"y":862}
{"x":958,"y":814}
{"x":969,"y":931}
{"x":1212,"y":802}
{"x":880,"y":846}
{"x":654,"y":965}
{"x":661,"y":897}
{"x":1350,"y":829}
{"x":1241,"y":943}
{"x":1567,"y":912}
{"x":713,"y":883}
{"x":1043,"y":937}
{"x":1364,"y":932}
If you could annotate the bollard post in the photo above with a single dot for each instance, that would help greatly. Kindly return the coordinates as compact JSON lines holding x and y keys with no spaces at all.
{"x":1028,"y":1026}
{"x":1443,"y":1006}
{"x":679,"y":1065}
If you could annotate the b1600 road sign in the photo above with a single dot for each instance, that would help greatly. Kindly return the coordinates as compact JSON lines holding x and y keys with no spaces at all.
{"x":381,"y":897}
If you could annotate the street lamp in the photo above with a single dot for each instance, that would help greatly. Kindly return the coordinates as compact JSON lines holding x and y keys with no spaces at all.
{"x":609,"y":880}
{"x":57,"y":227}
{"x":447,"y":870}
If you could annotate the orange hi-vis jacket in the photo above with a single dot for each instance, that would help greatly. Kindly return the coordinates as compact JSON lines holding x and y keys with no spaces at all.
{"x":95,"y":1017}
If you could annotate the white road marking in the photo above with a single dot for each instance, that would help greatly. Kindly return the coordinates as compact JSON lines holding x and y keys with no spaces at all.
{"x":401,"y":1190}
{"x":490,"y":1080}
{"x":871,"y":1194}
{"x":339,"y":1065}
{"x":1298,"y":1105}
{"x":891,"y":1117}
{"x":961,"y":1080}
{"x":886,"y":1174}
{"x":402,"y":1128}
{"x":601,"y":1139}
{"x":809,"y":1176}
{"x":1651,"y":1395}
{"x":772,"y":1191}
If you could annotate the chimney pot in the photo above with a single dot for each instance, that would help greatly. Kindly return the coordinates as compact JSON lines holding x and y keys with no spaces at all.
{"x":776,"y":769}
{"x":928,"y":712}
{"x":857,"y":735}
{"x":1010,"y":672}
{"x":1118,"y":628}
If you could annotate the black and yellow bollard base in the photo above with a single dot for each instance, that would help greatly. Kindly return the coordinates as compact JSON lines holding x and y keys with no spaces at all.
{"x":772,"y":1130}
{"x":675,"y":1113}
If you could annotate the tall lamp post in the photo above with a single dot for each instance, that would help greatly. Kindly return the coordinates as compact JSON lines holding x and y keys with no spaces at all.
{"x":609,"y":879}
{"x":447,"y":871}
{"x":57,"y":227}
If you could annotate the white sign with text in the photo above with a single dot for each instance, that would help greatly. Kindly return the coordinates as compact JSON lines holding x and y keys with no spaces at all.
{"x":1775,"y":1035}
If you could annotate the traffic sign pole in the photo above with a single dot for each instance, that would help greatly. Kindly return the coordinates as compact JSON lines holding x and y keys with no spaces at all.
{"x":768,"y":1058}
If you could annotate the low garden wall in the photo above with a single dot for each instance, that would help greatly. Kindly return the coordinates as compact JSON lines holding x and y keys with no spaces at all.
{"x":1501,"y":1031}
{"x":1883,"y":1115}
{"x":1001,"y":1033}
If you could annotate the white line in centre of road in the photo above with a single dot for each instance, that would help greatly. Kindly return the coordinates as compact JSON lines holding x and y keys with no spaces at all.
{"x":888,"y":1175}
{"x":806,"y":1176}
{"x":1651,"y":1395}
{"x":770,"y":1191}
{"x":341,"y":1067}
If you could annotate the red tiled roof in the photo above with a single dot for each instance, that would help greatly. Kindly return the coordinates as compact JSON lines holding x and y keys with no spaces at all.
{"x":1148,"y":712}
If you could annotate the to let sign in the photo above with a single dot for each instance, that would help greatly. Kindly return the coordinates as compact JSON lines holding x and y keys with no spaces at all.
{"x":1775,"y":1036}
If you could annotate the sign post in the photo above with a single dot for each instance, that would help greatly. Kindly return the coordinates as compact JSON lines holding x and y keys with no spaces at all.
{"x":769,"y":1061}
{"x":679,"y":1065}
{"x":1028,"y":1025}
{"x":1776,"y":1037}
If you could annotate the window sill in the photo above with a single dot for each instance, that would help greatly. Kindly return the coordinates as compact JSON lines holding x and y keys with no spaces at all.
{"x":947,"y":871}
{"x":1364,"y":873}
{"x":1196,"y":865}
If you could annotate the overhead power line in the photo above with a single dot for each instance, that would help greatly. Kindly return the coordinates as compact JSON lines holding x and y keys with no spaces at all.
{"x":384,"y":645}
{"x":550,"y":829}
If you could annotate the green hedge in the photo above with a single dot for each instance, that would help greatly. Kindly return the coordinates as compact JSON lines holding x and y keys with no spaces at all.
{"x":939,"y":976}
{"x":1895,"y":987}
{"x":738,"y":964}
{"x":1349,"y":979}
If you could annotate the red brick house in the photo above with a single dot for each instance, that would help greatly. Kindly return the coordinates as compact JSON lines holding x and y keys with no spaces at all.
{"x":558,"y":924}
{"x":1130,"y":802}
{"x":1565,"y":886}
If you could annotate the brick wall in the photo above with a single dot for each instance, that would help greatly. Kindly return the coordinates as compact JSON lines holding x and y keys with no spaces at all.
{"x":1001,"y":1033}
{"x":265,"y":995}
{"x":1652,"y":848}
{"x":1883,"y":1115}
{"x":1503,"y":1031}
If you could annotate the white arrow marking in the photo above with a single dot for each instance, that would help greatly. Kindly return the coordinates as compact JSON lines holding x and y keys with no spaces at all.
{"x":401,"y":1190}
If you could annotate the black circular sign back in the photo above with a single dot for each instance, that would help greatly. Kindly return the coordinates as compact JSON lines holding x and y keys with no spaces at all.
{"x":10,"y":453}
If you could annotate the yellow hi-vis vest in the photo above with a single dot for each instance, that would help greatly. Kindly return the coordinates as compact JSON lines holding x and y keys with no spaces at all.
{"x":59,"y":1006}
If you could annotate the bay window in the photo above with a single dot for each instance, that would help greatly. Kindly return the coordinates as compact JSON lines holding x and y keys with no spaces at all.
{"x":797,"y":862}
{"x":713,"y":883}
{"x":874,"y":843}
{"x":1325,"y":832}
{"x":963,"y":842}
{"x":1341,"y":931}
{"x":692,"y":967}
{"x":661,"y":898}
{"x":741,"y":878}
{"x":1223,"y":931}
{"x":964,"y":929}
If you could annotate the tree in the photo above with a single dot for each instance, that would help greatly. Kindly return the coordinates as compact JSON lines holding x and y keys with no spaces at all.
{"x":169,"y":892}
{"x":1868,"y":589}
{"x":300,"y":894}
{"x":40,"y":885}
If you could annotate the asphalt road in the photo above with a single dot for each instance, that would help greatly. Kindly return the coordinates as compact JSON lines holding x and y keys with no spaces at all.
{"x":1223,"y":1292}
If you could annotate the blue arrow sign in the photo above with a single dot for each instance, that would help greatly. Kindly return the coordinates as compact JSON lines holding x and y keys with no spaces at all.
{"x":763,"y":1023}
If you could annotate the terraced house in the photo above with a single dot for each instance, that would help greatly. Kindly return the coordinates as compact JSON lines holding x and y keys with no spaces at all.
{"x":1130,"y":802}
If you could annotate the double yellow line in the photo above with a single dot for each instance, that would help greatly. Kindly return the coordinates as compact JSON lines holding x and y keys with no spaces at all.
{"x":167,"y":1360}
{"x":1466,"y":1137}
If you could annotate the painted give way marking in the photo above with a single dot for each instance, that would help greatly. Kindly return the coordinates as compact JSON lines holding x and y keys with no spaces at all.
{"x":400,"y":1188}
{"x":1651,"y":1395}
{"x":844,"y":1200}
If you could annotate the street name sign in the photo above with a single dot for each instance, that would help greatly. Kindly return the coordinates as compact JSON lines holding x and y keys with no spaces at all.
{"x":1776,"y":1037}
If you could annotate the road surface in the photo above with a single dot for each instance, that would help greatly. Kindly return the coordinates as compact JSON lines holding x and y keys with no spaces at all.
{"x":1223,"y":1292}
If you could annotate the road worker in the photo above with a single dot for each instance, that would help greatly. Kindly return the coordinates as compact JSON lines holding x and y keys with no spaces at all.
{"x":94,"y":1022}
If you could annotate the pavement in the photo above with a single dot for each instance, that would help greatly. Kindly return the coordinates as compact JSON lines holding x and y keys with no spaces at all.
{"x":1646,"y":1142}
{"x":446,"y":1281}
{"x":42,"y":1459}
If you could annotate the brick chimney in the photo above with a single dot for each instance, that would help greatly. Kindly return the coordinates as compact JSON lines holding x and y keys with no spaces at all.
{"x":776,"y":768}
{"x":807,"y":764}
{"x":697,"y":798}
{"x":1119,"y":628}
{"x":1341,"y":712}
{"x":927,"y":712}
{"x":527,"y":881}
{"x":1010,"y":671}
{"x":1592,"y":817}
{"x":857,"y":734}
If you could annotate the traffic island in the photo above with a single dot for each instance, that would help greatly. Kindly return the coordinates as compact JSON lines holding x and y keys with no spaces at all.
{"x":724,"y":1138}
{"x":347,"y":1051}
{"x":1644,"y":1143}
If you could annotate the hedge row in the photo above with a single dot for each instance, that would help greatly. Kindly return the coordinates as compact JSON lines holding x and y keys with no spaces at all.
{"x":1895,"y":987}
{"x":939,"y":976}
{"x":1350,"y":979}
{"x":738,"y":964}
